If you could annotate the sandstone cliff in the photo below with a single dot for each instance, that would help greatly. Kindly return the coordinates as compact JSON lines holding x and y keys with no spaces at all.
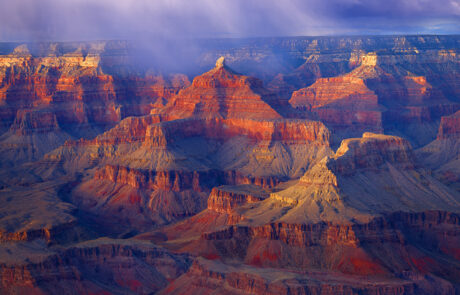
{"x":373,"y":97}
{"x":219,"y":185}
{"x":169,"y":165}
{"x":334,"y":217}
{"x":207,"y":276}
{"x":93,"y":267}
{"x":73,"y":89}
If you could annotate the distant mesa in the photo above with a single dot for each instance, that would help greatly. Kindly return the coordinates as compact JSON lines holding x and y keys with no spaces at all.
{"x":344,"y":102}
{"x":21,"y":50}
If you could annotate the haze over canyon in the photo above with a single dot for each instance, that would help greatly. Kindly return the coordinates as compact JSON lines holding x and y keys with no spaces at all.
{"x":270,"y":165}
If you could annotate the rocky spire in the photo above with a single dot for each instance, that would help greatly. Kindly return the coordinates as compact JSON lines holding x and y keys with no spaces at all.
{"x":220,"y":62}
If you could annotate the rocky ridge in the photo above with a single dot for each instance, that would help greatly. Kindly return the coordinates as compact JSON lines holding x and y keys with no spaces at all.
{"x":226,"y":172}
{"x":74,"y":90}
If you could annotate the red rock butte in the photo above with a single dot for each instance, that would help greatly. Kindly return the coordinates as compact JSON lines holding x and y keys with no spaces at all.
{"x":222,"y":93}
{"x":328,"y":166}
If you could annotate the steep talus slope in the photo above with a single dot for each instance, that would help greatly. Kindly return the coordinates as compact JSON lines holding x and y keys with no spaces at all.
{"x":208,"y":277}
{"x":442,"y":155}
{"x":93,"y":267}
{"x":161,"y":167}
{"x":36,"y":212}
{"x":223,"y":93}
{"x":33,"y":133}
{"x":152,"y":184}
{"x":368,"y":176}
{"x":367,"y":210}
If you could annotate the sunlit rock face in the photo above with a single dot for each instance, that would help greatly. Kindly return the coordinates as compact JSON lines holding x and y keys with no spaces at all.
{"x":341,"y":102}
{"x":226,"y":198}
{"x":372,"y":98}
{"x":223,"y":93}
{"x":268,"y":166}
{"x":163,"y":165}
{"x":71,"y":86}
{"x":336,"y":219}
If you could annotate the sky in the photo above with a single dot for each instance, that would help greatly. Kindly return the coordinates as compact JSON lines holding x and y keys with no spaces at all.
{"x":79,"y":20}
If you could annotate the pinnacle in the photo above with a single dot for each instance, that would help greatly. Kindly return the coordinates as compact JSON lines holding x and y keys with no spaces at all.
{"x":220,"y":62}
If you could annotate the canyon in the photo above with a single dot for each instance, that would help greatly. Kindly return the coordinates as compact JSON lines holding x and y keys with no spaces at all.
{"x":296,"y":165}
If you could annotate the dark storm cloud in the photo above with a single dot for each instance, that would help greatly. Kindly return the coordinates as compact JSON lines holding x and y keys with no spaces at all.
{"x":418,"y":9}
{"x":138,"y":19}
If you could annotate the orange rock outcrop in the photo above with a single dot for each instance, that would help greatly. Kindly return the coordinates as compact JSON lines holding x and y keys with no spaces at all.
{"x":223,"y":93}
{"x":224,"y":199}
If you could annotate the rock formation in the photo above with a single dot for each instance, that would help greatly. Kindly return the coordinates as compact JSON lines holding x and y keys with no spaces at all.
{"x":90,"y":267}
{"x":333,"y":219}
{"x":450,"y":126}
{"x":442,"y":154}
{"x":226,"y":198}
{"x":120,"y":176}
{"x":342,"y":102}
{"x":372,"y":99}
{"x":223,"y":93}
{"x":144,"y":153}
{"x":206,"y":276}
{"x":72,"y":87}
